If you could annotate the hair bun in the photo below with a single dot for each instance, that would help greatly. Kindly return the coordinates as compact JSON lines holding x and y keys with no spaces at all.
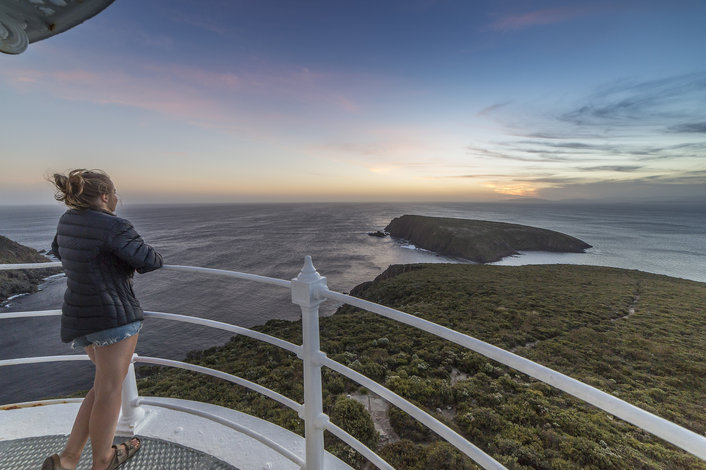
{"x":81,"y":188}
{"x":76,"y":182}
{"x":61,"y":182}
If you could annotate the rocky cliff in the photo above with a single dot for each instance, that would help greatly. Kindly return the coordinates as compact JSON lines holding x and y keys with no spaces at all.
{"x":478,"y":240}
{"x":20,"y":281}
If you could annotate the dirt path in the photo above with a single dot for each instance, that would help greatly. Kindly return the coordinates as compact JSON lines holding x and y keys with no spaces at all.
{"x":378,"y":409}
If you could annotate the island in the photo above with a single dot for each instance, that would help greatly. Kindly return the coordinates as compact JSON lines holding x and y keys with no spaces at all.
{"x":25,"y":281}
{"x":479,"y":240}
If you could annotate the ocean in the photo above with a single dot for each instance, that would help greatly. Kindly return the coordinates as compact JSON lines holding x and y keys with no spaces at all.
{"x":272,"y":240}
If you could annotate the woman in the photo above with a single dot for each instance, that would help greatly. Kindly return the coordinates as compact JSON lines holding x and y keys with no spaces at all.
{"x":100,"y":253}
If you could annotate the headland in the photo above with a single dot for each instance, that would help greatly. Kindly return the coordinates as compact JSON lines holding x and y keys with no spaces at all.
{"x":18,"y":282}
{"x":479,"y":240}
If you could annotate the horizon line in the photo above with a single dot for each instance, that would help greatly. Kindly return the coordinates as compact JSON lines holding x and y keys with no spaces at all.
{"x":690,"y":201}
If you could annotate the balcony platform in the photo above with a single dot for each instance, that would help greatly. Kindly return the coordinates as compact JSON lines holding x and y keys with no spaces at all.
{"x":29,"y":453}
{"x":30,"y":432}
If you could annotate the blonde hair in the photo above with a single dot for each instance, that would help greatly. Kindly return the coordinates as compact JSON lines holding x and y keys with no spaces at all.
{"x":80,"y":188}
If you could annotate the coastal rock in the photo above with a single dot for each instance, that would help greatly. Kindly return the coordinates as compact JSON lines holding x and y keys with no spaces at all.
{"x":478,"y":240}
{"x":21,"y":281}
{"x":378,"y":233}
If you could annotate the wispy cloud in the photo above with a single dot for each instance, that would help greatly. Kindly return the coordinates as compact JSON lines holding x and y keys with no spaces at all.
{"x":480,"y":176}
{"x":615,"y":168}
{"x":583,"y":146}
{"x":520,"y":21}
{"x":554,"y":180}
{"x":489,"y":110}
{"x":385,"y":153}
{"x":222,"y":99}
{"x":690,"y":127}
{"x":621,"y":127}
{"x":648,"y":103}
{"x":199,"y":23}
{"x":519,"y":155}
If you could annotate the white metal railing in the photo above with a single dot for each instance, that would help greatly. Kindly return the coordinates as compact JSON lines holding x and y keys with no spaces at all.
{"x":231,"y":424}
{"x":309,"y":290}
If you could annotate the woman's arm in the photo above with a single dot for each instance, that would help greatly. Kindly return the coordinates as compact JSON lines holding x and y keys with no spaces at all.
{"x":55,"y":248}
{"x":127,"y":245}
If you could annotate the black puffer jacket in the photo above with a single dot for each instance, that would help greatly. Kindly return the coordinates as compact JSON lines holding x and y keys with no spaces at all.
{"x":100,"y":253}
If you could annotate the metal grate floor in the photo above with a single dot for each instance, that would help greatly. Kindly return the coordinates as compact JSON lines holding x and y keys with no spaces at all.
{"x":29,"y":453}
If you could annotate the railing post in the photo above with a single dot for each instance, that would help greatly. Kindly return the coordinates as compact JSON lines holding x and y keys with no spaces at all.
{"x":305,"y":293}
{"x":130,"y":413}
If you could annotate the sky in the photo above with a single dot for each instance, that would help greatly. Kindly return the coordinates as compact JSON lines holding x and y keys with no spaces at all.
{"x":414,"y":100}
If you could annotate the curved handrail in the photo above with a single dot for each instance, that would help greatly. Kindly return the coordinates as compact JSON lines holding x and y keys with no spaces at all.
{"x":200,"y":369}
{"x":361,"y":448}
{"x":224,"y":272}
{"x":417,"y":413}
{"x":204,"y":370}
{"x":41,"y":359}
{"x":170,"y":267}
{"x":32,"y":404}
{"x":165,"y":362}
{"x":30,"y":313}
{"x":670,"y":432}
{"x":225,"y":376}
{"x":52,"y":264}
{"x":255,"y":435}
{"x":291,"y":347}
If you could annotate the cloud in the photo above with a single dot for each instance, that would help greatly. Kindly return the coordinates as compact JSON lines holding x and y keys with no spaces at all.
{"x":691,"y":177}
{"x":539,"y":18}
{"x":615,"y":168}
{"x":691,"y":127}
{"x":578,"y":146}
{"x":492,"y":108}
{"x":199,"y":23}
{"x":478,"y":176}
{"x":567,"y":151}
{"x":222,"y":81}
{"x":503,"y":154}
{"x":389,"y":150}
{"x":650,"y":128}
{"x":647,"y":103}
{"x":553,"y":180}
{"x":343,"y":102}
{"x":512,"y":189}
{"x":638,"y":190}
{"x":226,"y":100}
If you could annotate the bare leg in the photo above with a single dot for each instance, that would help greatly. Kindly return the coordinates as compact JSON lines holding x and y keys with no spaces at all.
{"x":79,"y":433}
{"x":112,"y":364}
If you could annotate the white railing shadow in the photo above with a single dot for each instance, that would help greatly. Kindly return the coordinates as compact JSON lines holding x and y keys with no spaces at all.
{"x":309,"y":290}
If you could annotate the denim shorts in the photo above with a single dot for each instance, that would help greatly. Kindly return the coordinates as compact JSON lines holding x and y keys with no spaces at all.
{"x":109,"y":336}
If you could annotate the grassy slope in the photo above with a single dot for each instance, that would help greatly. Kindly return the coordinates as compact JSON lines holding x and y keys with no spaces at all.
{"x":576,"y":319}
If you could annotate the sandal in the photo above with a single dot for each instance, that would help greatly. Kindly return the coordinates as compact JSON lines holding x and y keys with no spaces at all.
{"x":121,"y":456}
{"x":53,"y":463}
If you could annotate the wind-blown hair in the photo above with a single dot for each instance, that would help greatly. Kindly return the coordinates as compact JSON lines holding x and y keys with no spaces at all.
{"x":80,"y":189}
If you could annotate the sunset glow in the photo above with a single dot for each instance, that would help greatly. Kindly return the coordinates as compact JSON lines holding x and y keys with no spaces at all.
{"x":280,"y":101}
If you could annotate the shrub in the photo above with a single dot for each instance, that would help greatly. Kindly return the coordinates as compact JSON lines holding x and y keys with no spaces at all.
{"x":444,"y":456}
{"x":404,"y":454}
{"x":351,"y":416}
{"x":407,"y":427}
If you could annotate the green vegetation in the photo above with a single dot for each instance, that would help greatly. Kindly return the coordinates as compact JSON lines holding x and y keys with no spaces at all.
{"x":639,"y":336}
{"x":478,"y":240}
